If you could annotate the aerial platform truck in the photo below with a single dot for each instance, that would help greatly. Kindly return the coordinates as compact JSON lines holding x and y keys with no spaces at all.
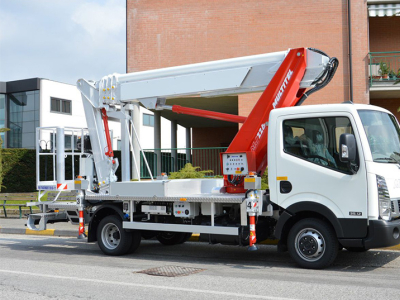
{"x":333,"y":170}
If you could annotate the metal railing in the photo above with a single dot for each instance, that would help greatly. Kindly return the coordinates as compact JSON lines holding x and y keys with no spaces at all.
{"x":384,"y":68}
{"x":205,"y":158}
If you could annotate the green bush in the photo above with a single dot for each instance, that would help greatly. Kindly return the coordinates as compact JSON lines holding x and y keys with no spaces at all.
{"x":18,"y":170}
{"x":188,"y":171}
{"x":264,"y":180}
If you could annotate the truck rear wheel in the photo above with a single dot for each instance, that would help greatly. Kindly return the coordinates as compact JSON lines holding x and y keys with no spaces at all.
{"x":112,"y":238}
{"x":172,"y":238}
{"x":312,"y":243}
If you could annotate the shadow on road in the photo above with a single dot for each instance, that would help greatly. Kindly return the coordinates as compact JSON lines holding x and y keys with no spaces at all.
{"x":194,"y":253}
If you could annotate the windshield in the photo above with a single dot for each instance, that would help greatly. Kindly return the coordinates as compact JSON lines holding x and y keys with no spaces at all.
{"x":383,"y":135}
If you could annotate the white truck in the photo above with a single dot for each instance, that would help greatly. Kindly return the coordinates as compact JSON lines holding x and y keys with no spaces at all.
{"x":333,"y":170}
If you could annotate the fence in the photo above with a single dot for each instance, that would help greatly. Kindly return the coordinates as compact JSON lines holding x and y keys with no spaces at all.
{"x":205,"y":158}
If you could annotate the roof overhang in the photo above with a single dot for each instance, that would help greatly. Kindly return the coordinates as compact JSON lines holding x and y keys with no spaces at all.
{"x":384,"y":10}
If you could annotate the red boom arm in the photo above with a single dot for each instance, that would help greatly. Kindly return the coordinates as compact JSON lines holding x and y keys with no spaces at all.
{"x":283,"y":91}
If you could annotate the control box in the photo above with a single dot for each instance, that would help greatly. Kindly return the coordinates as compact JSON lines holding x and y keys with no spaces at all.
{"x":186,"y":210}
{"x":235,"y":164}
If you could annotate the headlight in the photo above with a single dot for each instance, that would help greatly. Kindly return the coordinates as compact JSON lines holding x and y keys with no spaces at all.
{"x":385,"y":209}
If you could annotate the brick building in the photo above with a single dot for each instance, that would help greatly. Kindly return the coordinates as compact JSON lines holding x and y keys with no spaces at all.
{"x":176,"y":32}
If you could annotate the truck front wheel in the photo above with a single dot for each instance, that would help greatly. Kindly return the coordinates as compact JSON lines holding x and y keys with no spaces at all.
{"x":112,"y":238}
{"x":312,"y":243}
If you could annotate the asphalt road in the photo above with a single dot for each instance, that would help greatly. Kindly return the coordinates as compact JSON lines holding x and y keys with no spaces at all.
{"x":42,"y":267}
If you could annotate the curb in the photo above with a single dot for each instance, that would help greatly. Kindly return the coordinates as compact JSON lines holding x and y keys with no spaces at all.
{"x":69,"y":233}
{"x":47,"y":232}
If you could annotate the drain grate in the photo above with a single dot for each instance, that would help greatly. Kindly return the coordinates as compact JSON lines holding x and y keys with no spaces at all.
{"x":171,"y":271}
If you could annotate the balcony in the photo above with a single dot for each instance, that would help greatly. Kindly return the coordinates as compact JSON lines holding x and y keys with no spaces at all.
{"x":384,"y":68}
{"x":383,"y":72}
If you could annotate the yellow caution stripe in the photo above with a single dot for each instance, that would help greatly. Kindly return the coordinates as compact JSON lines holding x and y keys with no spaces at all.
{"x":40,"y":232}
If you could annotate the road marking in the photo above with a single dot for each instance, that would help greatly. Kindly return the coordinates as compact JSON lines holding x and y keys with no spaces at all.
{"x":30,"y":274}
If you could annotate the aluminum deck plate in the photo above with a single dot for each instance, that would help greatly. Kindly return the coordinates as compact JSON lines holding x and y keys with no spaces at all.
{"x":53,"y":205}
{"x":207,"y":198}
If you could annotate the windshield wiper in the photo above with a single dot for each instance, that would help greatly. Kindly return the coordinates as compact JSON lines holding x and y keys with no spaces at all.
{"x":396,"y":156}
{"x":387,"y":159}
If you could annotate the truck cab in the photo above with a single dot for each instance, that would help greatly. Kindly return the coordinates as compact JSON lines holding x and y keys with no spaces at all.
{"x":309,"y":179}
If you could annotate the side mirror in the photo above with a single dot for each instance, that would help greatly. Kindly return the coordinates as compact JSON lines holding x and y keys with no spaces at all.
{"x":347,"y":147}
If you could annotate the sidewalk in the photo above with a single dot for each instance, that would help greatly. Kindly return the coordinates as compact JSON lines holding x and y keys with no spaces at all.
{"x":13,"y":225}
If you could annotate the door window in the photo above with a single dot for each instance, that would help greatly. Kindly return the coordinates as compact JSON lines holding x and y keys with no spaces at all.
{"x":317,"y":140}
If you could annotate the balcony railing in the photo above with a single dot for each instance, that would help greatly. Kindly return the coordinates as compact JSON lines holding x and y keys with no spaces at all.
{"x":205,"y":158}
{"x":384,"y":68}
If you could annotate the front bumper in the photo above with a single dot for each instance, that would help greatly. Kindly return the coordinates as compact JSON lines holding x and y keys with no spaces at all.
{"x":382,"y":234}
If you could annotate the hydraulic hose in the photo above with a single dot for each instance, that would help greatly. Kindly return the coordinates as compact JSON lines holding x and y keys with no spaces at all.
{"x":325,"y":77}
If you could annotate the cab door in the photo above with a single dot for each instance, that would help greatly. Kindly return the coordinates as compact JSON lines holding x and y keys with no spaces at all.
{"x":310,"y":174}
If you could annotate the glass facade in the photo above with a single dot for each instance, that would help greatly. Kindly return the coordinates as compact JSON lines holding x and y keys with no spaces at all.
{"x":23,"y":118}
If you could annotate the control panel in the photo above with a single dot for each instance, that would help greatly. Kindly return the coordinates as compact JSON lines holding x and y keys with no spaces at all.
{"x":186,"y":210}
{"x":235,"y":164}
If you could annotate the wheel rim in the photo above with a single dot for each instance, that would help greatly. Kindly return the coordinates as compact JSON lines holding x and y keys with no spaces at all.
{"x":310,"y":244}
{"x":110,"y":236}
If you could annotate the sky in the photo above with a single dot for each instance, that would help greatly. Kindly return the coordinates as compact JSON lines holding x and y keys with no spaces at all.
{"x":62,"y":40}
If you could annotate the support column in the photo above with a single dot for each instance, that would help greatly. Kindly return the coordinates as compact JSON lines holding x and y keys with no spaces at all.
{"x":188,"y":145}
{"x":157,"y":141}
{"x":60,"y":155}
{"x":174,"y":145}
{"x":125,"y":153}
{"x":136,"y":148}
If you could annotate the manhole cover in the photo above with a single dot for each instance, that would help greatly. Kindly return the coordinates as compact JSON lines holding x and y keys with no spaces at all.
{"x":171,"y":271}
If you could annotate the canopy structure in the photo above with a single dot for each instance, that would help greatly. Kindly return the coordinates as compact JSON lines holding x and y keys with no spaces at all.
{"x":384,"y":10}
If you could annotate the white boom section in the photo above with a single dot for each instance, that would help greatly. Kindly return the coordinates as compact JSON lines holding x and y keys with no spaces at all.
{"x":222,"y":77}
{"x":216,"y":78}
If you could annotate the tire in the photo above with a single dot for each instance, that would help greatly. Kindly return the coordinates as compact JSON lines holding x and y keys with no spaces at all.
{"x":136,"y":239}
{"x":186,"y":237}
{"x":171,"y":238}
{"x":148,"y":234}
{"x":312,"y":244}
{"x":112,"y":238}
{"x":356,"y":249}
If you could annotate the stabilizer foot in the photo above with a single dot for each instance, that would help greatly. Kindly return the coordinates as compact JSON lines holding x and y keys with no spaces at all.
{"x":82,"y":236}
{"x":252,"y":248}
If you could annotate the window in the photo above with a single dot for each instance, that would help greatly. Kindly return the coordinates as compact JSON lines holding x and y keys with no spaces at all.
{"x":148,"y":120}
{"x":317,"y":140}
{"x":23,"y":118}
{"x":61,"y":106}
